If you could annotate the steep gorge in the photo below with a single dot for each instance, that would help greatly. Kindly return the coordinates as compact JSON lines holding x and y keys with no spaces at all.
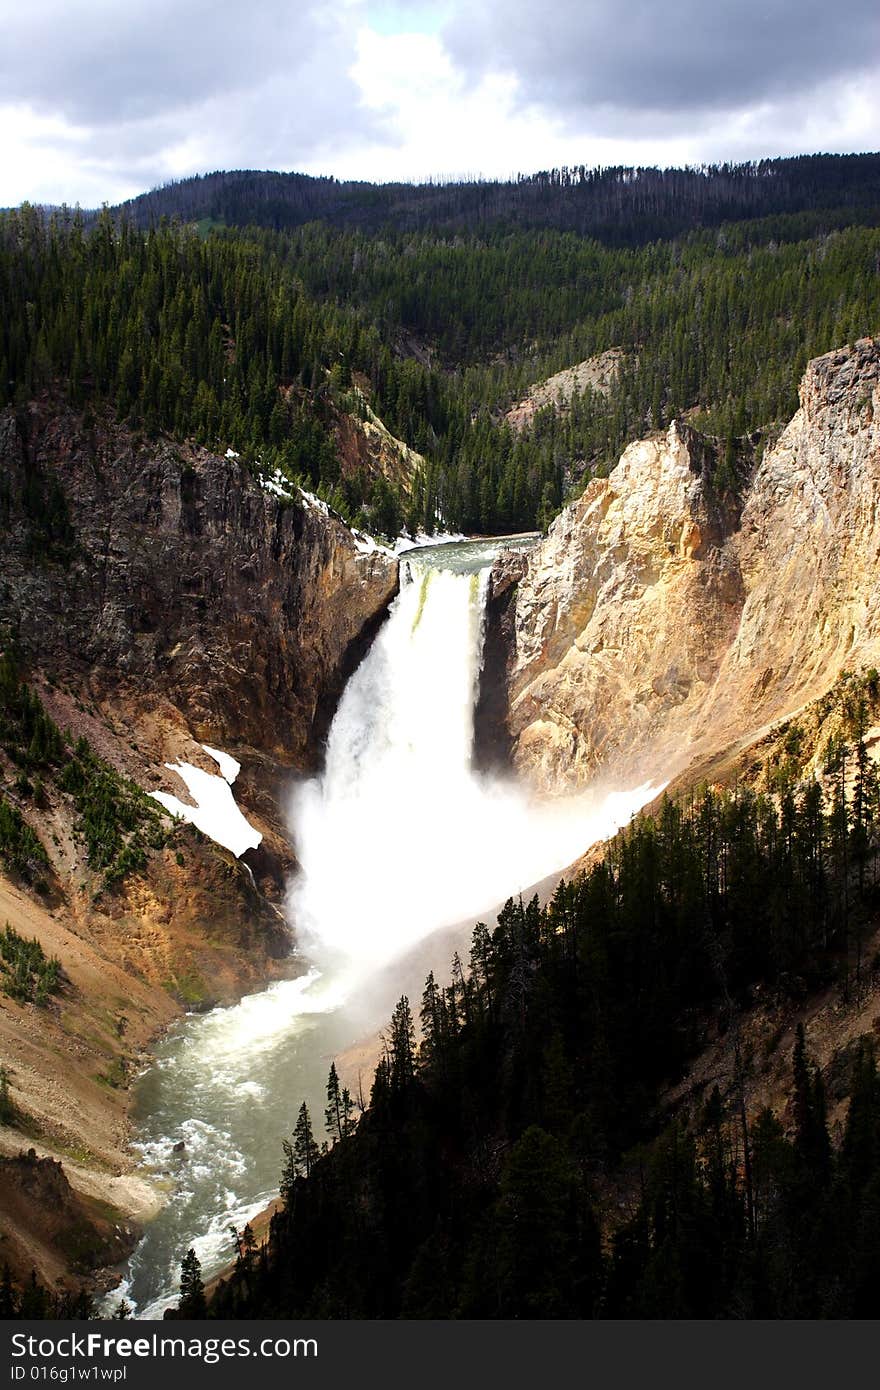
{"x":674,"y":622}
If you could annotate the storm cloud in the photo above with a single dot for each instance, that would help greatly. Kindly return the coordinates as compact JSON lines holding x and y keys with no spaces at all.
{"x":100,"y":61}
{"x":669,"y":57}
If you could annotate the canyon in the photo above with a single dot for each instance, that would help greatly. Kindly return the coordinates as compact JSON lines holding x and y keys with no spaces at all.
{"x":675,"y":614}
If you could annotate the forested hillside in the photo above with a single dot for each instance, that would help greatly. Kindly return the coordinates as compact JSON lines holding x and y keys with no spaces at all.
{"x":261,"y":340}
{"x":521,"y":1160}
{"x":618,"y":206}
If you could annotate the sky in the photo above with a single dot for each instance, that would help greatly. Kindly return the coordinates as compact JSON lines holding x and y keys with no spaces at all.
{"x":103,"y":99}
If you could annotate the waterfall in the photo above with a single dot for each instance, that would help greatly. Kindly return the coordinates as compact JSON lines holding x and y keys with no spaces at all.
{"x":384,"y":835}
{"x":400,"y":835}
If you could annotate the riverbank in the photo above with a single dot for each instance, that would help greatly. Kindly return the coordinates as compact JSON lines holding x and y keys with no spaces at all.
{"x":68,"y":1062}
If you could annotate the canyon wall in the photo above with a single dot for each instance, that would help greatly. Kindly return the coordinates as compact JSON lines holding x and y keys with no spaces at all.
{"x":669,"y":615}
{"x":184,"y":580}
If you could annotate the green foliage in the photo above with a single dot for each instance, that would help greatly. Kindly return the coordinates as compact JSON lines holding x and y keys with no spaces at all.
{"x":339,"y":1118}
{"x":305,"y":1150}
{"x":401,"y":1046}
{"x":44,"y":502}
{"x":192,"y":1289}
{"x":300,"y":1156}
{"x":617,"y":205}
{"x":27,"y":734}
{"x":31,"y":740}
{"x":21,"y":852}
{"x":797,"y":1239}
{"x":26,"y":972}
{"x":116,"y":820}
{"x":542,"y":1259}
{"x":385,"y":515}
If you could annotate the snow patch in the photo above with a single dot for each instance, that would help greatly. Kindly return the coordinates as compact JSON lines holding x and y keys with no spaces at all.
{"x":314,"y":503}
{"x":215,"y":812}
{"x":275,"y":485}
{"x":365,"y":544}
{"x":405,"y":542}
{"x":229,"y":767}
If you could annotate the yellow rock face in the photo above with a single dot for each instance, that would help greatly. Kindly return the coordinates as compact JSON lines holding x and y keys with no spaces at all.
{"x":657,"y":623}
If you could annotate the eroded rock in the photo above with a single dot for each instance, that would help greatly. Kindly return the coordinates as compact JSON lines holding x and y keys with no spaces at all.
{"x":187,"y":581}
{"x":657,"y":622}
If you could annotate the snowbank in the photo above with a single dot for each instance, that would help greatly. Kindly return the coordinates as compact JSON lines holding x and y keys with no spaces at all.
{"x":215,"y":812}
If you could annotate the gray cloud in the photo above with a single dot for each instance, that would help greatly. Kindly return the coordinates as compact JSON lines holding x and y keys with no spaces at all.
{"x":669,"y":57}
{"x":263,"y":83}
{"x":96,"y":63}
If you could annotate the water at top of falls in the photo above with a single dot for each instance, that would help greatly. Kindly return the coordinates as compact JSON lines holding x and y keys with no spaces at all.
{"x":397,"y":838}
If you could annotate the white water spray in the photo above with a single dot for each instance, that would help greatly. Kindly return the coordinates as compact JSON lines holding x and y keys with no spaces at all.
{"x":400,"y":835}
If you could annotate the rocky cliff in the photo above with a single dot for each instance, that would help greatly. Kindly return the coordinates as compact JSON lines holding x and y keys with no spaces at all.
{"x":177,"y":578}
{"x":366,"y":447}
{"x":667,"y":615}
{"x":160,"y":597}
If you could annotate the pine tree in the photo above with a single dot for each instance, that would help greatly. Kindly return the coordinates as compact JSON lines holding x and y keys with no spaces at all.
{"x":810,"y":1118}
{"x":7,"y":1109}
{"x":289,"y":1175}
{"x":305,"y":1150}
{"x":402,"y":1045}
{"x":349,"y":1123}
{"x":535,"y":1239}
{"x":192,"y":1302}
{"x":431,"y":1017}
{"x":333,"y":1114}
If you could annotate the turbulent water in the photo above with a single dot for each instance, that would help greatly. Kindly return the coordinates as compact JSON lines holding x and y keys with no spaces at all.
{"x":398,"y":838}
